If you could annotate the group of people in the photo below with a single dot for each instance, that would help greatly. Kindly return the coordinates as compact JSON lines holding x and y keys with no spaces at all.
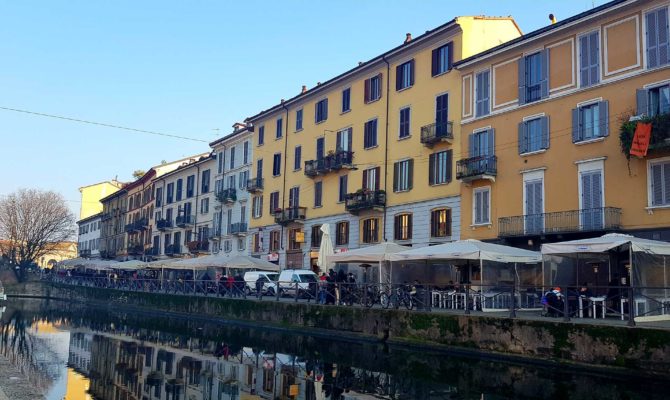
{"x":336,"y":288}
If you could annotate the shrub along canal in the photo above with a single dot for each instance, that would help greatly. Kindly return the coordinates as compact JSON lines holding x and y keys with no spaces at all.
{"x":64,"y":349}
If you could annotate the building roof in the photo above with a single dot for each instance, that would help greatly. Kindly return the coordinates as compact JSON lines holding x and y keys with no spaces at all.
{"x":91,"y":218}
{"x":118,"y":193}
{"x":539,"y":32}
{"x":113,"y":182}
{"x":200,"y":160}
{"x":235,"y":133}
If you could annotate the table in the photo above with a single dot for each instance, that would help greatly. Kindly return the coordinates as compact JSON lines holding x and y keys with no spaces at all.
{"x":598,"y":300}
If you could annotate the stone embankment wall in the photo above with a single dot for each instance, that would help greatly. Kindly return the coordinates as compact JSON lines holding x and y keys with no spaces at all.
{"x":643,"y":349}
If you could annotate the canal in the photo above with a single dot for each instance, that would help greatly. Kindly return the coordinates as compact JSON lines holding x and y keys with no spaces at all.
{"x":69,"y":351}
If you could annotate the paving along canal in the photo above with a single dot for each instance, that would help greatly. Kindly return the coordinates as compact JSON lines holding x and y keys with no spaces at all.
{"x":64,"y":351}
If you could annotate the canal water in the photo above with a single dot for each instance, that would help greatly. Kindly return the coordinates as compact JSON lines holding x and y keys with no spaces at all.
{"x":75,"y":352}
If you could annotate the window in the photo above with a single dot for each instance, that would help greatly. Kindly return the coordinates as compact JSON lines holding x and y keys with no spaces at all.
{"x":261,"y":135}
{"x":482,"y":90}
{"x":169,"y":195}
{"x":370,"y":134}
{"x":403,"y":175}
{"x":653,"y":101}
{"x":257,"y":242}
{"x":231,"y":181}
{"x":658,"y":52}
{"x":318,"y":194}
{"x":159,"y":197}
{"x":440,"y":223}
{"x":404,"y":123}
{"x":297,"y":155}
{"x":205,"y":181}
{"x":342,"y":192}
{"x":481,"y":144}
{"x":280,"y":128}
{"x":190,"y":186}
{"x":589,"y":59}
{"x":241,"y":244}
{"x":342,"y":233}
{"x":321,"y":111}
{"x":276,"y":165}
{"x":295,"y":238}
{"x":371,"y":178}
{"x":243,"y":178}
{"x":274,"y":240}
{"x":482,"y":197}
{"x":274,"y":202}
{"x":229,"y":222}
{"x":402,"y":227}
{"x":439,"y":167}
{"x":294,"y":197}
{"x":441,"y":59}
{"x":227,"y":246}
{"x":346,"y":100}
{"x":219,"y":162}
{"x":316,"y":236}
{"x":659,"y":179}
{"x":404,"y":75}
{"x":373,"y":88}
{"x":204,"y":206}
{"x":259,"y":169}
{"x":257,"y":206}
{"x":534,"y":77}
{"x":245,"y":154}
{"x":298,"y":120}
{"x":232,"y":157}
{"x":180,"y":183}
{"x":590,"y":121}
{"x":370,"y":230}
{"x":534,"y":135}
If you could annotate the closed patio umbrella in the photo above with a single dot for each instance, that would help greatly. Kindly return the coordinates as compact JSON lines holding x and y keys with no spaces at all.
{"x":326,"y":248}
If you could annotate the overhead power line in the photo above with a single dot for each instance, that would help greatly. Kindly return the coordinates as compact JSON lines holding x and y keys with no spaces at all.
{"x":83,"y":121}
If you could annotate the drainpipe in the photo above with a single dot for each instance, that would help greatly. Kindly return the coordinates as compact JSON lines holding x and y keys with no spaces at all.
{"x":386,"y":139}
{"x":197,"y":194}
{"x":283,"y":192}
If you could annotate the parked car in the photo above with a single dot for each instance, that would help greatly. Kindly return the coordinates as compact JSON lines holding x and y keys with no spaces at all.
{"x":304,"y":280}
{"x":269,"y":282}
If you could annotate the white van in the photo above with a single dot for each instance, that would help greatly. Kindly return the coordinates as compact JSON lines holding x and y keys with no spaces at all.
{"x":302,"y":279}
{"x":269,"y":282}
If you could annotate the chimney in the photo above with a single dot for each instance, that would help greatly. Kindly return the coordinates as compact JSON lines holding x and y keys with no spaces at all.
{"x":360,"y":63}
{"x":552,"y":19}
{"x":408,"y":38}
{"x":304,"y":89}
{"x":318,"y":84}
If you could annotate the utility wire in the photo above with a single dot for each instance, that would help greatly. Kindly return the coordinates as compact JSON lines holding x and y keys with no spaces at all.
{"x":104,"y":124}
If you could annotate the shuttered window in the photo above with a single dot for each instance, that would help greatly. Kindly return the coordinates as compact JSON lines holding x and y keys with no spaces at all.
{"x":297,"y":157}
{"x":298,"y":120}
{"x":534,"y":135}
{"x":402,"y":227}
{"x":274,"y":240}
{"x":590,"y":121}
{"x":589,"y":59}
{"x":280,"y":128}
{"x":261,"y":135}
{"x":316,"y":236}
{"x":404,"y":123}
{"x":373,"y":88}
{"x":653,"y":101}
{"x":276,"y":165}
{"x":370,"y":230}
{"x":257,"y":206}
{"x":439,"y":167}
{"x":346,"y":100}
{"x":404,"y":75}
{"x":657,"y":40}
{"x":534,"y":77}
{"x":482,"y":90}
{"x":321,"y":111}
{"x":370,"y":134}
{"x":440,"y":223}
{"x":442,"y":59}
{"x":660,"y":183}
{"x":371,"y":178}
{"x":342,"y":192}
{"x":481,"y":143}
{"x":482,"y":206}
{"x":403,"y":172}
{"x":342,"y":233}
{"x":274,"y":202}
{"x":318,"y":194}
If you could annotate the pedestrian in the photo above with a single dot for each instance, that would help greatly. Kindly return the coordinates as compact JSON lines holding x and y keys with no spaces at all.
{"x":259,"y":286}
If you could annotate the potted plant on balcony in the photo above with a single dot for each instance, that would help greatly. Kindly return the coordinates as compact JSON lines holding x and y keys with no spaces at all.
{"x":660,"y":131}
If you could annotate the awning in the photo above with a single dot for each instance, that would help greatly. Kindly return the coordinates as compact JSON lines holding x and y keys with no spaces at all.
{"x":374,"y":254}
{"x":607,"y":242}
{"x":469,"y":249}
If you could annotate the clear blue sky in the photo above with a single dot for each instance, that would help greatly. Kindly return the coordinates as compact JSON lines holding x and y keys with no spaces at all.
{"x":182,"y":67}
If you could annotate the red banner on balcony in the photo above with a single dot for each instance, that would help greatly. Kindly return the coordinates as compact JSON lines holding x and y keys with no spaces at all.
{"x":641,"y":140}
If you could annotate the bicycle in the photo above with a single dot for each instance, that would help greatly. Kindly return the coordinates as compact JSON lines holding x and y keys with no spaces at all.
{"x":400,"y":296}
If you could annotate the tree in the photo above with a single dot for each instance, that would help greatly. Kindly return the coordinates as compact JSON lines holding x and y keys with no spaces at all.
{"x":32,"y":224}
{"x":138,"y":173}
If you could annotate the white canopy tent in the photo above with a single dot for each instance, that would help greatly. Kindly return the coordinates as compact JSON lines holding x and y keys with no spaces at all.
{"x":130,"y":265}
{"x":72,"y":263}
{"x":379,"y":253}
{"x":469,"y":249}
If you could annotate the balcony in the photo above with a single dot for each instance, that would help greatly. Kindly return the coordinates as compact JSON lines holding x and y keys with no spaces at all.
{"x":106,"y":216}
{"x":185,"y":220}
{"x":474,"y":168}
{"x":288,"y":215}
{"x":198,"y":246}
{"x":135,"y":249}
{"x":164,"y":224}
{"x":254,"y":185}
{"x":109,"y":254}
{"x":214,"y":234}
{"x":437,"y":132}
{"x":85,"y":253}
{"x":172,"y":250}
{"x":153,"y":251}
{"x":365,"y":200}
{"x":331,"y":162}
{"x":573,"y":221}
{"x":238,"y":228}
{"x":227,"y":195}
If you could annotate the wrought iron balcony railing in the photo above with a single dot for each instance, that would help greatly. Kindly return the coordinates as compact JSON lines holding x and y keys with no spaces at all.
{"x":197,"y":246}
{"x":255,"y":185}
{"x":172,"y":250}
{"x":164,"y":224}
{"x":185,"y":220}
{"x":238,"y":228}
{"x":288,"y":215}
{"x":572,"y":221}
{"x":437,"y":132}
{"x":227,"y":195}
{"x":365,"y":200}
{"x":332,"y":162}
{"x":473,"y":168}
{"x":135,"y":249}
{"x":85,"y":253}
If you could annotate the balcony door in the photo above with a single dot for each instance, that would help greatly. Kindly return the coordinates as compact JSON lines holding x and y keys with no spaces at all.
{"x":441,"y":115}
{"x":591,"y":213}
{"x":344,"y":138}
{"x":534,"y":206}
{"x":320,"y":148}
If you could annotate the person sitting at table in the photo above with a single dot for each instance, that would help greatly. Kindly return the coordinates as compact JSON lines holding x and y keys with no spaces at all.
{"x":585,"y":291}
{"x":553,"y":299}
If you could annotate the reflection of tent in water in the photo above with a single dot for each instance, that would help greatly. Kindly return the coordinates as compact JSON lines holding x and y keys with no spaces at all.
{"x":614,"y":260}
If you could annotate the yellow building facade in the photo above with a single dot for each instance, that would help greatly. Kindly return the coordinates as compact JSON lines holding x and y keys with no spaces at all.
{"x":369,"y":152}
{"x":91,"y":195}
{"x":541,"y":157}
